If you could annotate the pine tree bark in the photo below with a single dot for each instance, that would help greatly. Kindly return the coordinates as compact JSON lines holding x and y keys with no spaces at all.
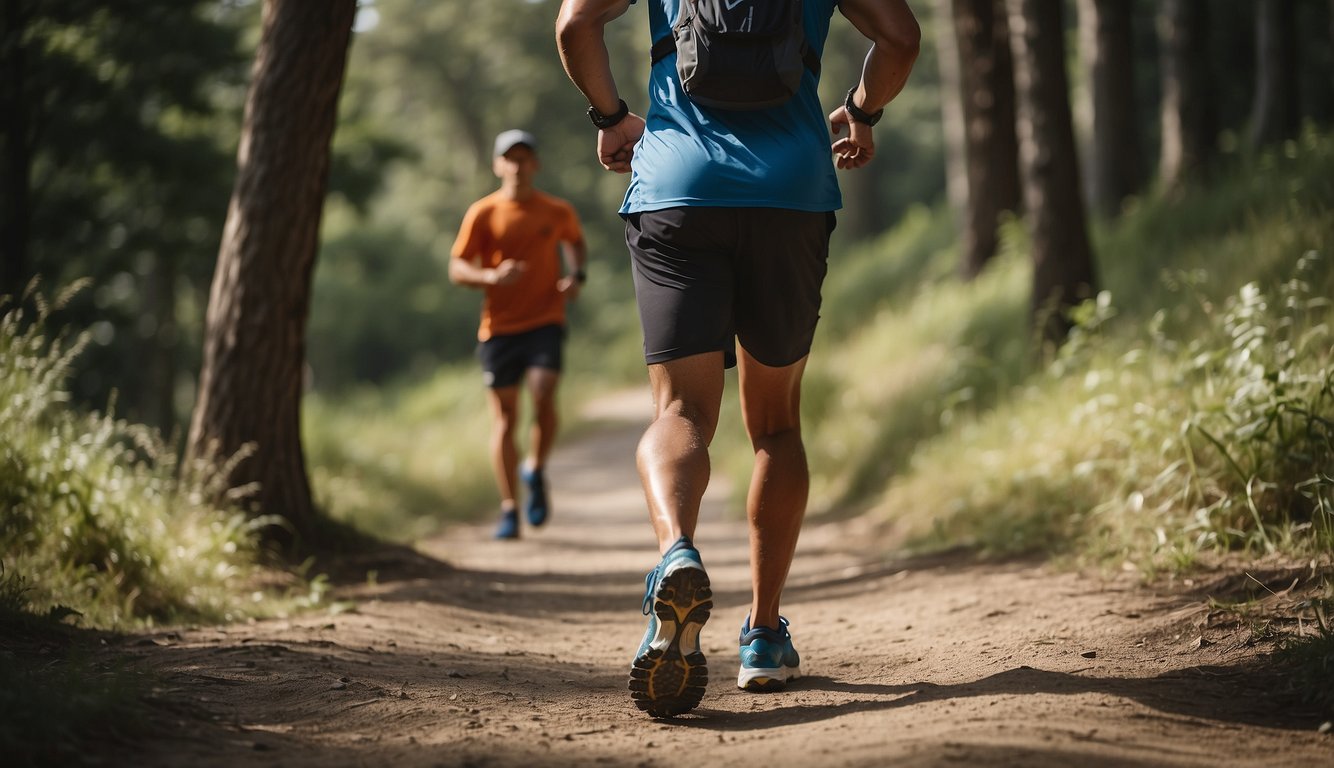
{"x":991,"y":148}
{"x":951,"y":110}
{"x":1275,"y":113}
{"x":1186,"y":114}
{"x":254,"y":346}
{"x":1063,"y":272}
{"x":1115,"y":159}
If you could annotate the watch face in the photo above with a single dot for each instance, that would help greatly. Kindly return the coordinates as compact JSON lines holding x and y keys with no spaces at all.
{"x":607,"y":121}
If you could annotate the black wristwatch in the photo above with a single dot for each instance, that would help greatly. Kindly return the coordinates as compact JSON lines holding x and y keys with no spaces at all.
{"x":580,"y":276}
{"x":603,"y":122}
{"x":859,"y":114}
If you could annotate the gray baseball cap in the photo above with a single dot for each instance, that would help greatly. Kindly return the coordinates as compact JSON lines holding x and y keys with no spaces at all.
{"x":510,"y":139}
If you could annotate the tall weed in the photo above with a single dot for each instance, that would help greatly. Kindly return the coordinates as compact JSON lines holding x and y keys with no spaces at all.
{"x":1264,"y":406}
{"x":1199,"y":421}
{"x":95,"y":514}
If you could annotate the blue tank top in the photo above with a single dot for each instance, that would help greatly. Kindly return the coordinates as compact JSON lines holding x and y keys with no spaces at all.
{"x":769,"y":158}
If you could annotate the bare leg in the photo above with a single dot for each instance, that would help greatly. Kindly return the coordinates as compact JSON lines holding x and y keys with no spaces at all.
{"x":504,"y":404}
{"x":673,"y":455}
{"x":542,"y":388}
{"x":780,"y":483}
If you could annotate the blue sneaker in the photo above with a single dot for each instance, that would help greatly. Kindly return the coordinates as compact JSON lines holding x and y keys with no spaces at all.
{"x":535,"y":507}
{"x":668,"y":675}
{"x":508,"y":527}
{"x":768,"y":659}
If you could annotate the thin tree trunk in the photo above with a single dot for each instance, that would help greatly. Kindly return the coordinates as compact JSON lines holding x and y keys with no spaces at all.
{"x":1105,"y":45}
{"x":1053,"y":201}
{"x":987,"y":80}
{"x":1188,"y":129}
{"x":254,"y":347}
{"x":951,"y":110}
{"x":16,"y":164}
{"x":1274,"y":116}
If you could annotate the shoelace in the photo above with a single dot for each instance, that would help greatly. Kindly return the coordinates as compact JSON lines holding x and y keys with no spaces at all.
{"x":650,"y":581}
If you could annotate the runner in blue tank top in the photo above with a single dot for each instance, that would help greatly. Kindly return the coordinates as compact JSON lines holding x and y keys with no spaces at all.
{"x":727,"y":217}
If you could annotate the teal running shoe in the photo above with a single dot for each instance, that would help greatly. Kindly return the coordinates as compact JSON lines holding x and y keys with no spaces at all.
{"x":535,"y":507}
{"x":768,"y":660}
{"x":508,"y":527}
{"x":668,"y":675}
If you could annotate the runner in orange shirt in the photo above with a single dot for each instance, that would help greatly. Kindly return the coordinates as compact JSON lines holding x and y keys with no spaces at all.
{"x":525,"y":249}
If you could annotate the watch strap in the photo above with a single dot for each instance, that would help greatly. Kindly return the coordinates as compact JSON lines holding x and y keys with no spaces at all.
{"x":859,"y":114}
{"x":603,"y":122}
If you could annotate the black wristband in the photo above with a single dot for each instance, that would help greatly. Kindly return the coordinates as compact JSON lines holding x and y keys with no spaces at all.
{"x":603,"y":122}
{"x":859,"y":114}
{"x":580,"y":276}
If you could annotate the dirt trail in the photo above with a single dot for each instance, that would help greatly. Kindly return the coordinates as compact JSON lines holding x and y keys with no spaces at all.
{"x":516,"y":654}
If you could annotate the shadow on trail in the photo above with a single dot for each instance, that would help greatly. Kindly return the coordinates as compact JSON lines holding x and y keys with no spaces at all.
{"x":548,"y":593}
{"x":1243,"y":694}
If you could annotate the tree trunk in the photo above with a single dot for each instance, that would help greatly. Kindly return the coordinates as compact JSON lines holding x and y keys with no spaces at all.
{"x":986,"y":70}
{"x":951,"y":110}
{"x":16,"y":163}
{"x":1062,"y":258}
{"x":254,"y":347}
{"x":1114,"y":162}
{"x":1188,"y":129}
{"x":1274,"y":116}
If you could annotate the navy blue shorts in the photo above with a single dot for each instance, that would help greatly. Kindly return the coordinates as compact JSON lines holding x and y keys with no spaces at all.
{"x":505,"y":359}
{"x":709,"y":278}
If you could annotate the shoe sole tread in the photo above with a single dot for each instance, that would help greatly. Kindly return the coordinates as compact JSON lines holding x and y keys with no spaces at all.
{"x":671,"y":681}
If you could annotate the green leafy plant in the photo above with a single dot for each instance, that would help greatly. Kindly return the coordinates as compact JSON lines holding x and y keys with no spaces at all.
{"x":1264,"y":385}
{"x":95,"y":513}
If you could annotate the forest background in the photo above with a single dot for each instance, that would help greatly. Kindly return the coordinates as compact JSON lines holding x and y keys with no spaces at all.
{"x":1180,"y":413}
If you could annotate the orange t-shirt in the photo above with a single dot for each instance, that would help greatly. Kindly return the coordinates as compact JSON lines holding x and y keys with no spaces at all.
{"x":496,"y":228}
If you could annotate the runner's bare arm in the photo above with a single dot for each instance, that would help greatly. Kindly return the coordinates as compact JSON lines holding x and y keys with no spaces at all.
{"x":473,"y":275}
{"x":583,"y":52}
{"x":575,"y":254}
{"x":895,"y":40}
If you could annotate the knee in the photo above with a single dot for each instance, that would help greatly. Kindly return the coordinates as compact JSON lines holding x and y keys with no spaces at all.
{"x":783,"y":424}
{"x":504,"y":421}
{"x":775,"y":438}
{"x":684,"y":416}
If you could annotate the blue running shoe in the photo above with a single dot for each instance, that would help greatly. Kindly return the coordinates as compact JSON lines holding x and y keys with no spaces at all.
{"x":535,"y":507}
{"x":768,"y":659}
{"x":668,"y":675}
{"x":508,"y":528}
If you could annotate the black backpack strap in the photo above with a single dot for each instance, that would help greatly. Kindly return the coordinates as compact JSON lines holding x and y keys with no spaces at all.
{"x":809,"y":58}
{"x":662,"y":48}
{"x":666,"y":45}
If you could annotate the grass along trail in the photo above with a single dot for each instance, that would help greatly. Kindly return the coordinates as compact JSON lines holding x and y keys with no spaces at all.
{"x":485,"y":653}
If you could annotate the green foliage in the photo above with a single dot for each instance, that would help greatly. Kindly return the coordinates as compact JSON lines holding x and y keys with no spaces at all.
{"x":128,"y":168}
{"x":96,"y":519}
{"x":400,"y":461}
{"x":384,"y":309}
{"x":1265,"y":405}
{"x":1195,"y":417}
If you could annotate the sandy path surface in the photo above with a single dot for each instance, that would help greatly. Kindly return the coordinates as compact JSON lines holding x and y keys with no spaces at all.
{"x":486,"y":653}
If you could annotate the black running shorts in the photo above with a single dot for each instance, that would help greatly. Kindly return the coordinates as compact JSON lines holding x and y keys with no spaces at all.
{"x":506,"y":358}
{"x":708,"y":278}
